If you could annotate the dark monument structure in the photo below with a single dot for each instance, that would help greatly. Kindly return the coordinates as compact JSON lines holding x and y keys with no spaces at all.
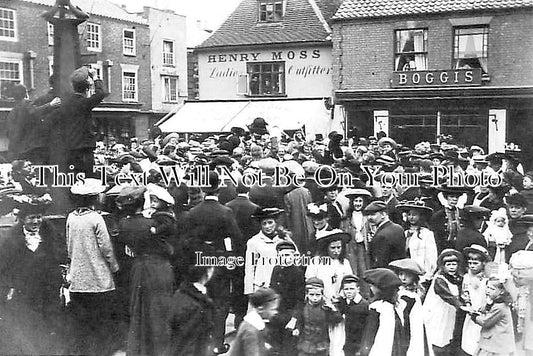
{"x":67,"y":58}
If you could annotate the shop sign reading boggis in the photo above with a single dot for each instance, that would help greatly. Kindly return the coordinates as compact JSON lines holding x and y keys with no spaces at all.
{"x":436,"y":78}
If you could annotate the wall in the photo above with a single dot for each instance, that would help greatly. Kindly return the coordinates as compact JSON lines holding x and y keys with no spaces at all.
{"x":364,"y":49}
{"x":308,"y":70}
{"x":166,"y":25}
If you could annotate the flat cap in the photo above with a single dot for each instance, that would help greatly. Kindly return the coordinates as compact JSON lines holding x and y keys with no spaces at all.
{"x":383,"y":278}
{"x":407,"y":264}
{"x":314,"y":282}
{"x":374,"y":207}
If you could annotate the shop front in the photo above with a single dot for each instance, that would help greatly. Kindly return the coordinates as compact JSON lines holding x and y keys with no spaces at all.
{"x":422,"y":106}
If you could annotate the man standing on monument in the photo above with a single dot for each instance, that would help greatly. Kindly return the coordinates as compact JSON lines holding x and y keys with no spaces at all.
{"x":73,"y":129}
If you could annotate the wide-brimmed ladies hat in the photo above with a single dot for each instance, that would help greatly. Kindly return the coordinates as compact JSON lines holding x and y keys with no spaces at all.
{"x":407,"y":264}
{"x":329,"y":236}
{"x":384,"y":140}
{"x":418,"y":205}
{"x":267,"y":213}
{"x":357,"y":192}
{"x":316,"y":211}
{"x":160,"y":193}
{"x":88,"y":186}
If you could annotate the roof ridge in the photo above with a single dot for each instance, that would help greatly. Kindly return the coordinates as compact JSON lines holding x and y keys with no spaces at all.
{"x":320,"y":16}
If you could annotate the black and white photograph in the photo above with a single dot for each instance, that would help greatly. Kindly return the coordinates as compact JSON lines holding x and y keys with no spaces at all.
{"x":266,"y":177}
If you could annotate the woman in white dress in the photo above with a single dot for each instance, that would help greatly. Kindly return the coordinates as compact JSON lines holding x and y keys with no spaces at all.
{"x":331,"y":265}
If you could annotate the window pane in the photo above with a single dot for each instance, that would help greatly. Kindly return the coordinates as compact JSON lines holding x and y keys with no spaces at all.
{"x":270,"y":11}
{"x":411,"y":50}
{"x":129,"y":86}
{"x":168,"y":52}
{"x":7,"y":23}
{"x":470,"y":48}
{"x":267,"y":78}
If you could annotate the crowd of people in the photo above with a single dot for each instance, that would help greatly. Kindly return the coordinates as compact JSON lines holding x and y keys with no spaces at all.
{"x":154,"y":266}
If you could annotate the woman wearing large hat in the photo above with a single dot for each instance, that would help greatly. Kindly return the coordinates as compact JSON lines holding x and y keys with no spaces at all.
{"x":358,"y":227}
{"x":151,"y":276}
{"x":261,"y":249}
{"x":420,"y":241}
{"x":331,"y":266}
{"x":30,"y":277}
{"x":92,"y":265}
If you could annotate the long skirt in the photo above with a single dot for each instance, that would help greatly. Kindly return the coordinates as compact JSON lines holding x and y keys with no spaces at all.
{"x":152,"y":286}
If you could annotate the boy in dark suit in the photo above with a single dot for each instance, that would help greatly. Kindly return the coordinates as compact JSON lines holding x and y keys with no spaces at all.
{"x":355,"y":310}
{"x":288,"y":280}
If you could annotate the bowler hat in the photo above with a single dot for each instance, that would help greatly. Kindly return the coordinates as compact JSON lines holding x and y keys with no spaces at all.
{"x":213,"y":182}
{"x":383,"y":278}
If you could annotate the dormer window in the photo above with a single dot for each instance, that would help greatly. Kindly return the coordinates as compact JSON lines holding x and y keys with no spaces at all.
{"x":270,"y":11}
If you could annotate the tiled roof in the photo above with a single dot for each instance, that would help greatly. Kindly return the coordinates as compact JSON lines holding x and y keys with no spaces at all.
{"x":300,"y":24}
{"x":352,"y":9}
{"x":102,"y":8}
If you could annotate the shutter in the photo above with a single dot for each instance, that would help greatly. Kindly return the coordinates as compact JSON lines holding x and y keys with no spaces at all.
{"x":242,"y":84}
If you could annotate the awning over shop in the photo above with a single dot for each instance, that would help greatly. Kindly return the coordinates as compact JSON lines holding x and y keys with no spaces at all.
{"x":221,"y":116}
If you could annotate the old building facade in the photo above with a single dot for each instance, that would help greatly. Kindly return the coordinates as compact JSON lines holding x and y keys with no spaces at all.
{"x":445,"y":67}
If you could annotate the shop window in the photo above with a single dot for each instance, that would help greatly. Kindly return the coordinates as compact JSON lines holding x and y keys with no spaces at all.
{"x":128,"y":44}
{"x":170,"y":87}
{"x":270,"y":11}
{"x":10,"y":75}
{"x":266,"y":78}
{"x":168,"y":53}
{"x":94,"y":37}
{"x":411,"y":50}
{"x":470,"y":47}
{"x":8,"y":25}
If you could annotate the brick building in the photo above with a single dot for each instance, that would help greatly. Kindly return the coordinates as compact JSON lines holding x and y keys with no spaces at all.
{"x":440,"y":67}
{"x":114,"y":42}
{"x":270,"y":59}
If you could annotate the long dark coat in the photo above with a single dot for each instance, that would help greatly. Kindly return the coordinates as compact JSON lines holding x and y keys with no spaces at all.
{"x":191,"y":320}
{"x":151,"y":286}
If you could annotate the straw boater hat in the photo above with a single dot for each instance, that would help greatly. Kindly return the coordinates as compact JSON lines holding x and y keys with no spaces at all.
{"x":408,"y":264}
{"x":357,"y":192}
{"x":478,"y":249}
{"x":384,"y":140}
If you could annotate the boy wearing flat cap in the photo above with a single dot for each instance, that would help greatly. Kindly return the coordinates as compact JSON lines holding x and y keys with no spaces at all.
{"x":355,"y":310}
{"x":388,"y":243}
